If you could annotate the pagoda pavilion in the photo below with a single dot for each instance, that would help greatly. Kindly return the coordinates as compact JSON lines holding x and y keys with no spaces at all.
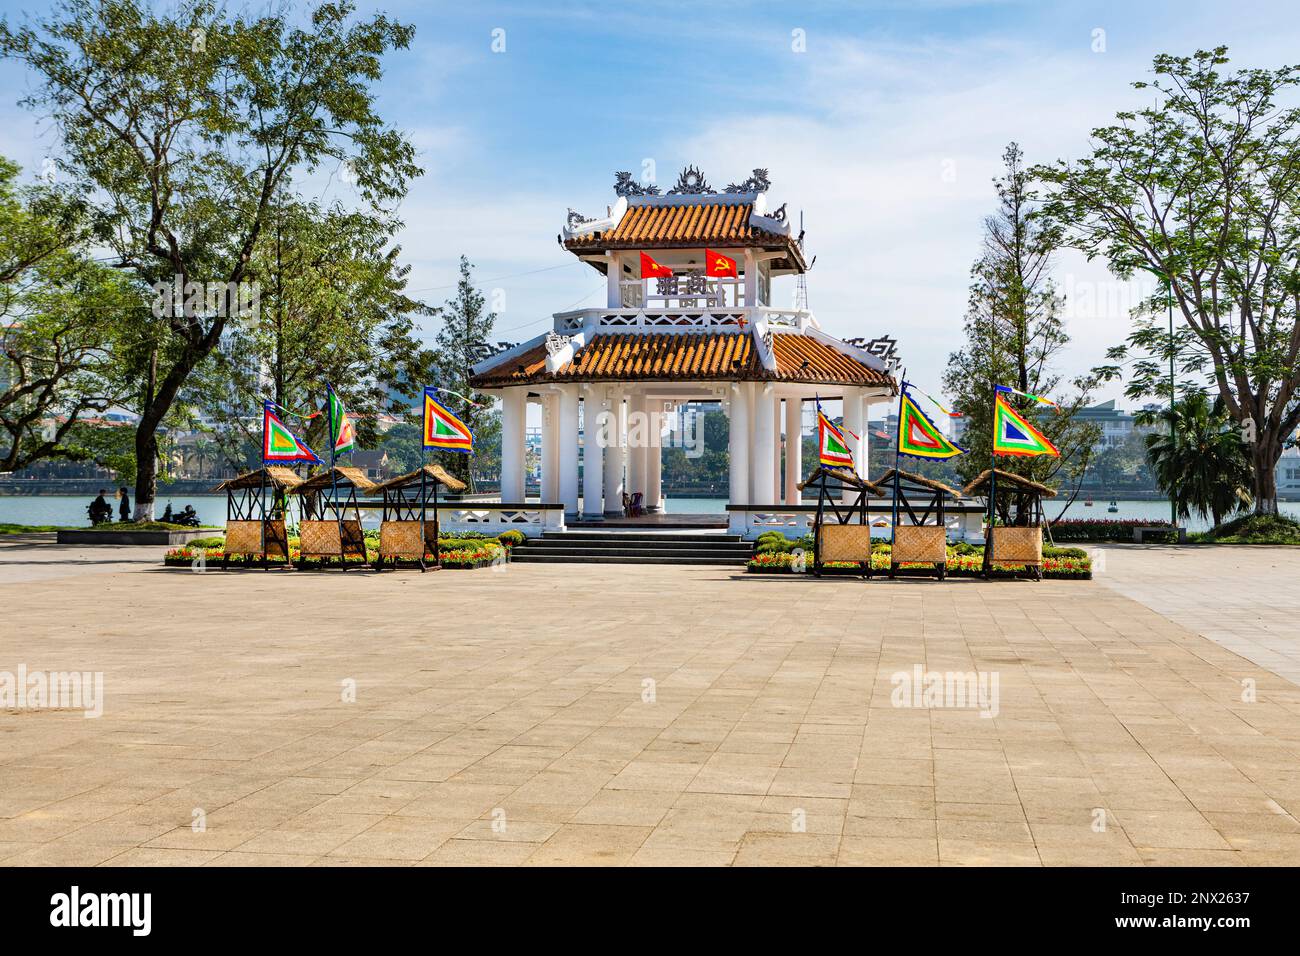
{"x":689,"y":317}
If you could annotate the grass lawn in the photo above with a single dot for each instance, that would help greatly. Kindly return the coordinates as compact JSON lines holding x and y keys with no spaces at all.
{"x":1252,"y":529}
{"x":111,"y":526}
{"x":31,"y":528}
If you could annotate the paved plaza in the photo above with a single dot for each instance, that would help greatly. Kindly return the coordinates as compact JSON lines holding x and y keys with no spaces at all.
{"x":652,"y":715}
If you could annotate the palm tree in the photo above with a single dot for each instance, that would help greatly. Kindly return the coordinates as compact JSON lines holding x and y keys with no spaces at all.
{"x":1203,"y":467}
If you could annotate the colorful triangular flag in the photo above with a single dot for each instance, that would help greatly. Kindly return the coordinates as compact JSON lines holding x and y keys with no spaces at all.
{"x":343,"y":437}
{"x":833,"y":449}
{"x":442,"y":429}
{"x":280,"y":446}
{"x":919,"y":437}
{"x":1014,"y":435}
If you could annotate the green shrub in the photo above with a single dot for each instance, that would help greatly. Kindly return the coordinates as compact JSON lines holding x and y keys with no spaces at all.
{"x":512,"y":538}
{"x":1055,"y":551}
{"x":216,"y":541}
{"x":1254,"y":529}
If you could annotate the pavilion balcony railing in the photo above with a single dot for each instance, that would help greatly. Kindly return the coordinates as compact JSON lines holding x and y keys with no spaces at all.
{"x":688,"y":319}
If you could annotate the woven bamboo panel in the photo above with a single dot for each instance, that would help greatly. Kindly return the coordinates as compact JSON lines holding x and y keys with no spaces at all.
{"x":1018,"y":546}
{"x":401,"y":539}
{"x":320,"y":539}
{"x":245,"y":537}
{"x":844,"y":542}
{"x":925,"y":543}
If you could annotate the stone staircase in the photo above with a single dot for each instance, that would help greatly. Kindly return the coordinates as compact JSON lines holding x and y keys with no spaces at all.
{"x":630,"y":547}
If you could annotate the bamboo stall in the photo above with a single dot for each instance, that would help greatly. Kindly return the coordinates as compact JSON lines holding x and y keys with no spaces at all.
{"x":920,"y":542}
{"x":848,"y":537}
{"x":1008,"y":542}
{"x":254,"y":526}
{"x":409,"y":529}
{"x":327,"y":530}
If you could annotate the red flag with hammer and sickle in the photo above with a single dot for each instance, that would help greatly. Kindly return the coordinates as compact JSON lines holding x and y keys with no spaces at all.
{"x":653,"y":270}
{"x":719,"y":266}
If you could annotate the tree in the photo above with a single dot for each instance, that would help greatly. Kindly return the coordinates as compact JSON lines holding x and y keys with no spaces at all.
{"x":1203,"y":189}
{"x":1203,"y":466}
{"x":59,"y":312}
{"x":332,"y":310}
{"x":187,"y":122}
{"x":1014,"y":331}
{"x":465,"y":325}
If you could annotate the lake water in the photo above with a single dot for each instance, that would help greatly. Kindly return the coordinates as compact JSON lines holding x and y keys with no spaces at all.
{"x":71,"y":510}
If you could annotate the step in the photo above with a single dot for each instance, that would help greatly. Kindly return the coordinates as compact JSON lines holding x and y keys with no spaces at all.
{"x":634,"y":552}
{"x":543,"y":558}
{"x":632,"y":536}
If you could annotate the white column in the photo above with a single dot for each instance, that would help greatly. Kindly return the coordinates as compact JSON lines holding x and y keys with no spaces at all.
{"x":615,"y":456}
{"x":738,"y":445}
{"x":853,"y":426}
{"x":568,"y":448}
{"x":593,"y":464}
{"x":614,"y":292}
{"x":514,"y":406}
{"x":777,"y":496}
{"x":550,"y":453}
{"x":636,"y":445}
{"x":764,"y":443}
{"x":793,"y":448}
{"x":654,"y":494}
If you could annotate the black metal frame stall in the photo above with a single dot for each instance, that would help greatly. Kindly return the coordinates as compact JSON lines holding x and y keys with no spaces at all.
{"x":919,"y":542}
{"x":1006,"y":543}
{"x":404,"y":532}
{"x":253,"y":528}
{"x":323,"y":536}
{"x":831,"y":485}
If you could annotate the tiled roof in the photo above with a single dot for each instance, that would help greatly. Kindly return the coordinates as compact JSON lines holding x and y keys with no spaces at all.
{"x":686,"y":356}
{"x":669,"y":225}
{"x":802,"y":358}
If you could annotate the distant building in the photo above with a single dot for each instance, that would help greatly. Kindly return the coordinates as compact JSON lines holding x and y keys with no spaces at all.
{"x":1287,"y":475}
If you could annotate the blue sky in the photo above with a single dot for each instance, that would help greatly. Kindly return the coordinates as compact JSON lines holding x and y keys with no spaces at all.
{"x":884,"y":131}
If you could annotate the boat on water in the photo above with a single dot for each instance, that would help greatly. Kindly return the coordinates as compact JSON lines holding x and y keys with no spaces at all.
{"x":1114,"y":506}
{"x":1088,"y":502}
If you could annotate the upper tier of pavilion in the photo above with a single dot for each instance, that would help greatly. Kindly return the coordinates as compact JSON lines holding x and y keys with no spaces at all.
{"x":689,"y":320}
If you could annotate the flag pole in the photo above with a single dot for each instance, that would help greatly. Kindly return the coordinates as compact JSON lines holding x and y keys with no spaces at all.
{"x":424,"y":431}
{"x":898,"y":445}
{"x":334,"y":481}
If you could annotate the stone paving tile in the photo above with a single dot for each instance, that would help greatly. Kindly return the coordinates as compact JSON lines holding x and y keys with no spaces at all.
{"x":770,"y":740}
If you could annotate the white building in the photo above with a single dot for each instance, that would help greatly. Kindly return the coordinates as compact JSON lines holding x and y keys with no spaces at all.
{"x":691,"y":333}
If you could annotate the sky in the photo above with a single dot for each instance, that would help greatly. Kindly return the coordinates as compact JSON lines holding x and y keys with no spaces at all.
{"x":882,"y":124}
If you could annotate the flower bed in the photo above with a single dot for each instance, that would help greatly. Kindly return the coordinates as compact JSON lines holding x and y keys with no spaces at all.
{"x":455,"y":553}
{"x":968,"y":563}
{"x":1101,"y":529}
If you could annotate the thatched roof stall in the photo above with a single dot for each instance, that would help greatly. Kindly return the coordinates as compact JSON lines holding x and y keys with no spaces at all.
{"x":433,"y":475}
{"x":848,"y":537}
{"x":920,"y":542}
{"x":408,"y":532}
{"x":274,"y":476}
{"x":823,"y":475}
{"x":341,"y":476}
{"x":1008,"y":544}
{"x":980,"y":485}
{"x":255,"y":526}
{"x":919,"y":481}
{"x":322,"y":535}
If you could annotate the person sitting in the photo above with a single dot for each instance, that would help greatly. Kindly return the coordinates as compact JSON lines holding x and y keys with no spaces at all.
{"x":99,"y":510}
{"x":124,"y":504}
